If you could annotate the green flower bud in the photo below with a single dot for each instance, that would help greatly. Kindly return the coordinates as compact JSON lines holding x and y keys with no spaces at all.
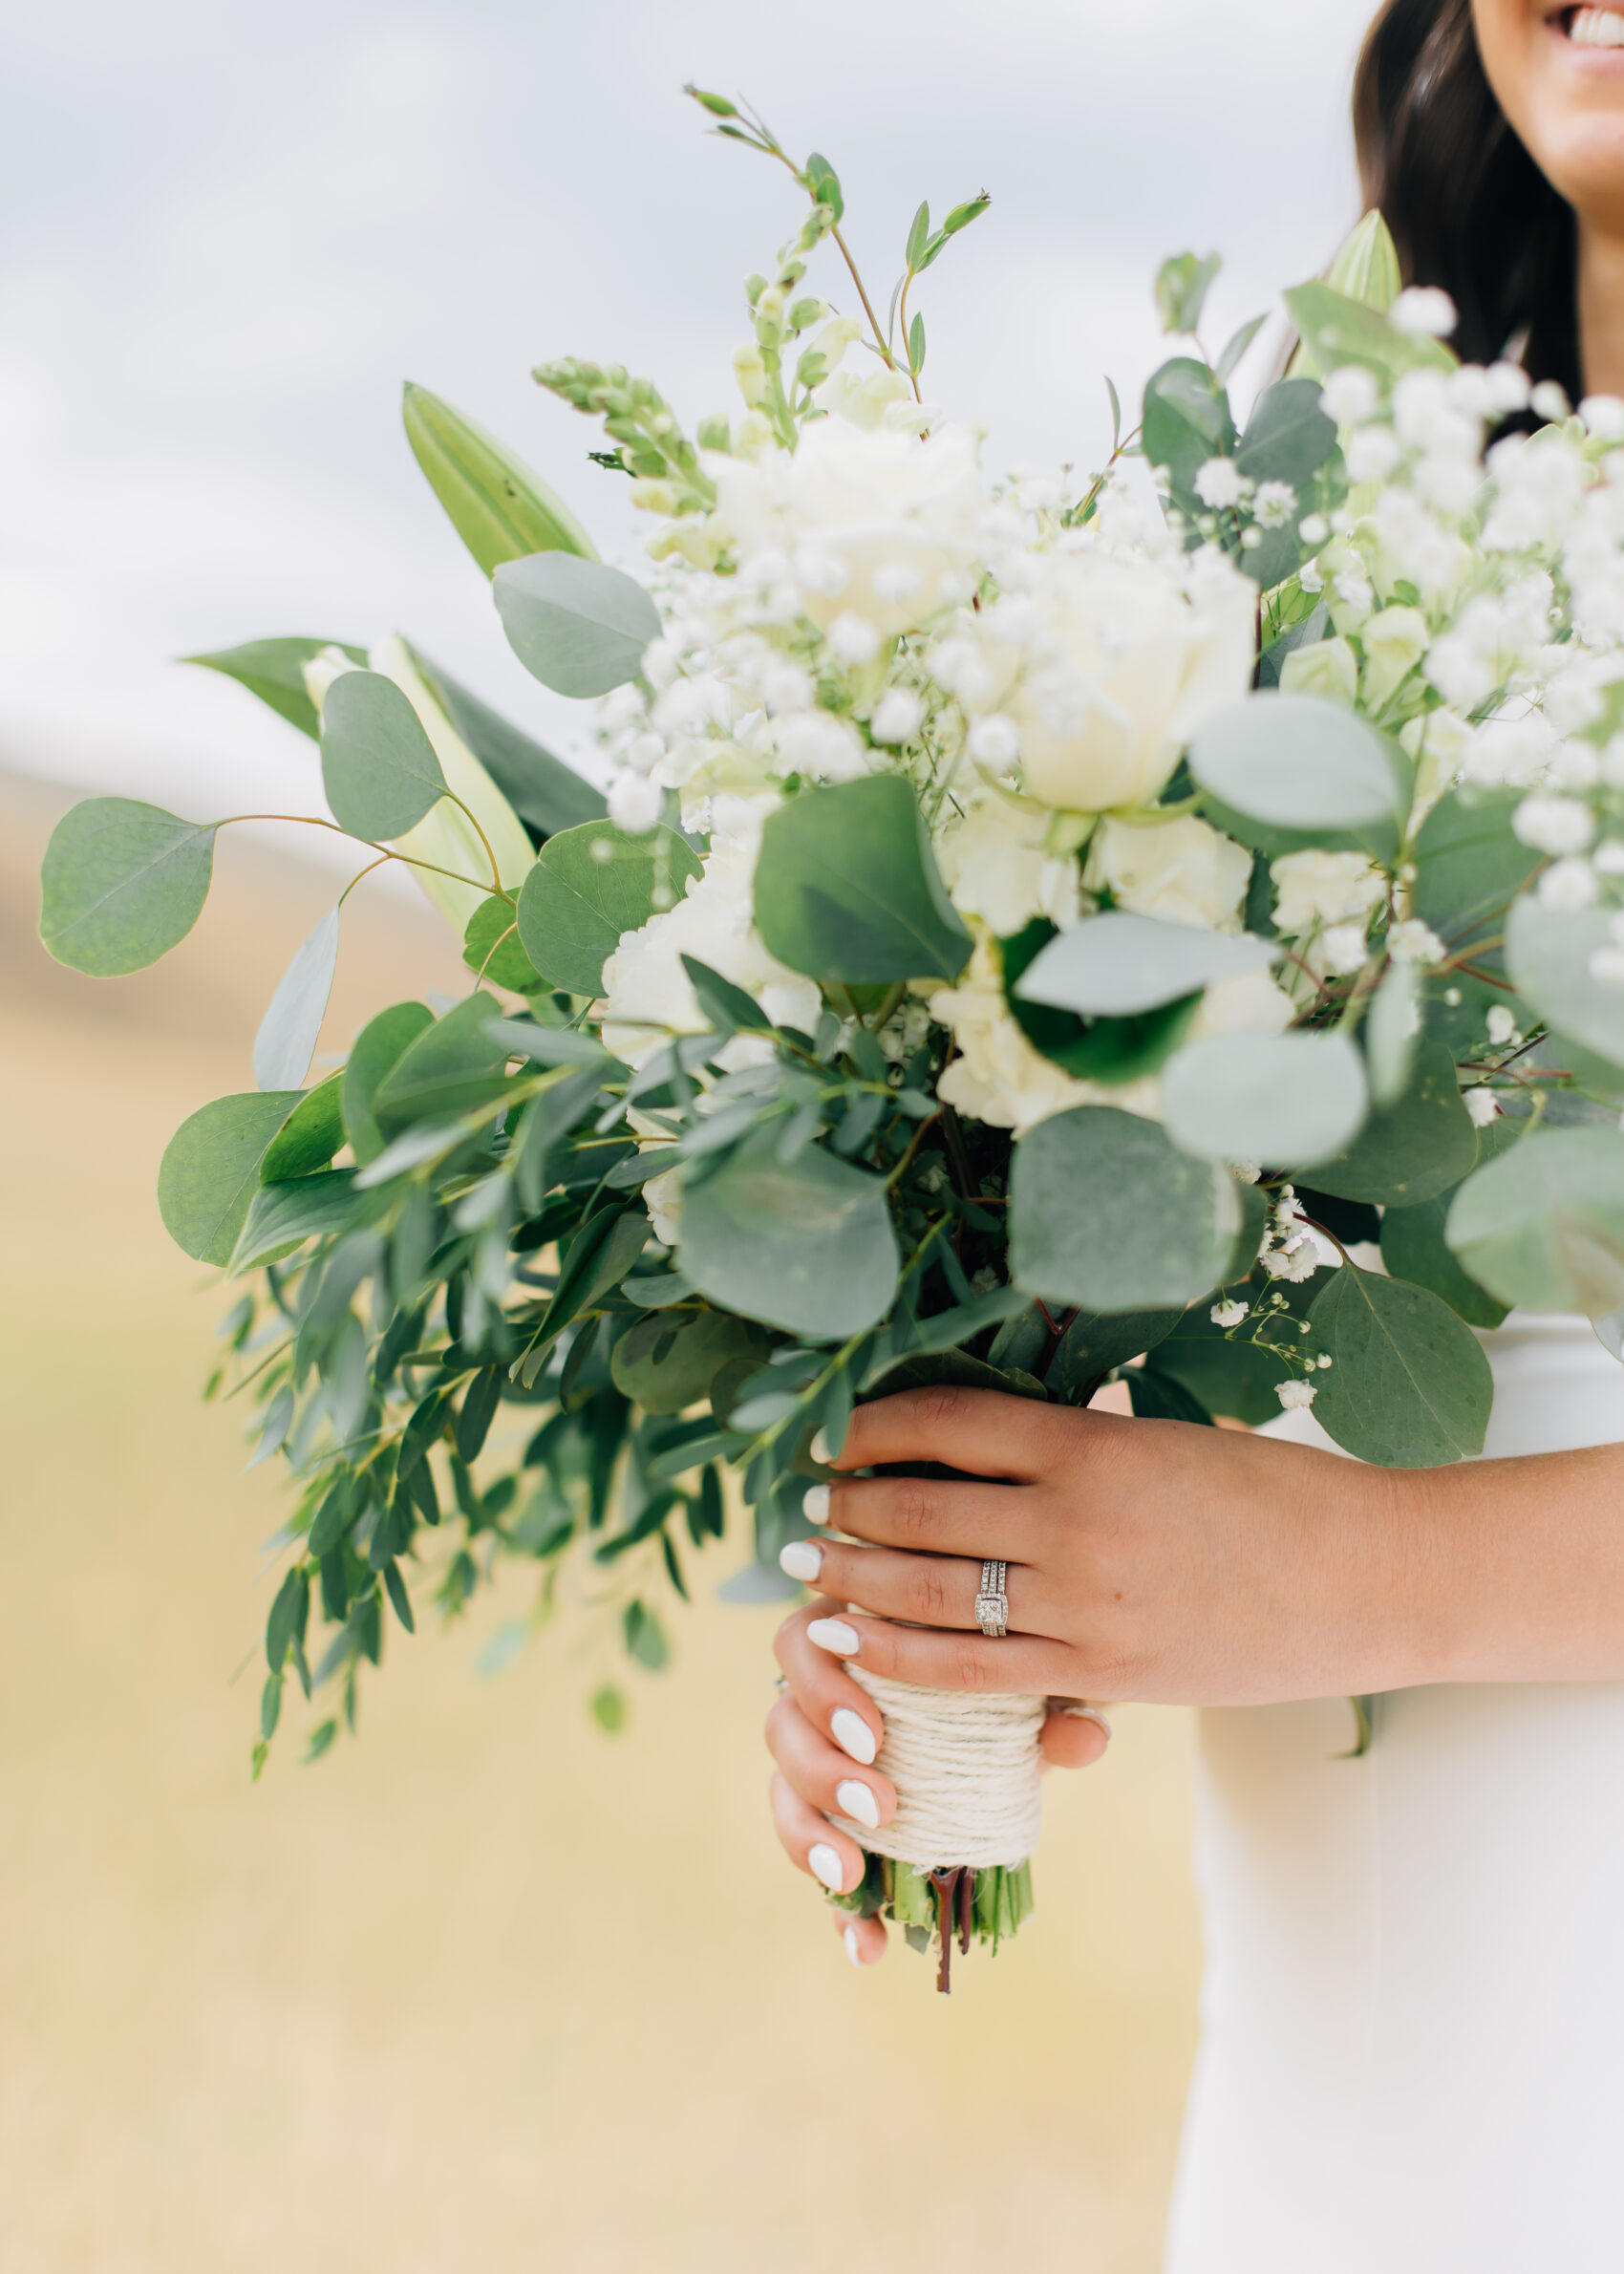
{"x":753,"y":286}
{"x":715,"y":432}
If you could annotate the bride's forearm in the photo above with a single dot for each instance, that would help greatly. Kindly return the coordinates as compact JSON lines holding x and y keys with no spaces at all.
{"x":1516,"y":1569}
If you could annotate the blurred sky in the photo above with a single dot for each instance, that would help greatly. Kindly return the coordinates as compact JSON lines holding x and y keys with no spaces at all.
{"x":233,"y":230}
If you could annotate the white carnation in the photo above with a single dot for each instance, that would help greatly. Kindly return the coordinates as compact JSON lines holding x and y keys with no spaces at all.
{"x":1314,"y":888}
{"x":1183,"y":872}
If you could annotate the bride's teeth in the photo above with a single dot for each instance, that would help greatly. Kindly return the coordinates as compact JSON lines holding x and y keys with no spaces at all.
{"x":1597,"y":28}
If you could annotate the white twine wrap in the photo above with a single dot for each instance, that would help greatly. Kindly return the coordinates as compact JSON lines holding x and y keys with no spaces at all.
{"x":965,"y":1770}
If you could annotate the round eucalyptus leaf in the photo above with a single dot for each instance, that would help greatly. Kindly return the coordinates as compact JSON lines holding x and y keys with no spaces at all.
{"x":1411,"y":1151}
{"x":808,"y":1247}
{"x":1118,"y":965}
{"x":377,"y":764}
{"x":848,"y":889}
{"x":1393,"y":1034}
{"x":1300,"y":762}
{"x":377,"y":1048}
{"x":122,"y":883}
{"x":1541,"y":1226}
{"x":491,"y":946}
{"x":211,"y":1170}
{"x":311,"y":1135}
{"x":286,"y":1039}
{"x":1281,"y":1101}
{"x":1105,"y":1213}
{"x":589,"y":886}
{"x":1547,"y":952}
{"x":1408,"y":1386}
{"x":577,"y":626}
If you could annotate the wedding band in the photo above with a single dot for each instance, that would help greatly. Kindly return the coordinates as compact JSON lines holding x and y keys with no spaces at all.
{"x":992,"y":1604}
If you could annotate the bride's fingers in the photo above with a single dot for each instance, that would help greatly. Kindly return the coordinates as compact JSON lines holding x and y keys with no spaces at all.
{"x":1075,"y":1735}
{"x":821,"y":1774}
{"x":865,"y":1939}
{"x":935,"y":1658}
{"x":926,"y":1590}
{"x":812,"y":1843}
{"x":935,"y":1515}
{"x":980,"y":1431}
{"x":827,"y":1695}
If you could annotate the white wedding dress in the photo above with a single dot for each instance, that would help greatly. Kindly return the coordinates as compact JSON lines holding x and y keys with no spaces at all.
{"x":1412,"y":2058}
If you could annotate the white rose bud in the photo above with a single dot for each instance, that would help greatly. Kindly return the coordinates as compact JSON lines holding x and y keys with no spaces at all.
{"x":1325,"y":667}
{"x":1395,"y":641}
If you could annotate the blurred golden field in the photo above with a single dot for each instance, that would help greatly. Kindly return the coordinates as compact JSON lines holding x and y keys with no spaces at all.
{"x":484,"y":1989}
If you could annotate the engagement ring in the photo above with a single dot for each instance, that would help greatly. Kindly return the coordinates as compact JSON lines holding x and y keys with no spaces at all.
{"x":992,"y":1604}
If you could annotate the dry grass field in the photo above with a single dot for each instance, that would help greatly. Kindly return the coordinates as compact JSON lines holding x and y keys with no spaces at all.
{"x":485,"y":1989}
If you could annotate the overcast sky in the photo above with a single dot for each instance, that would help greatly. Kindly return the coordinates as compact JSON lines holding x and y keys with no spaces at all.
{"x":233,"y":230}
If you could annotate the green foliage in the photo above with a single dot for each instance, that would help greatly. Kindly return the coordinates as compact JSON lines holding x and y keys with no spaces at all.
{"x":121,"y":884}
{"x":274,"y":670}
{"x":1298,"y":762}
{"x":548,"y":795}
{"x":1408,"y":1386}
{"x":491,"y":947}
{"x":806,"y":1246}
{"x":450,"y":1067}
{"x":1414,"y":1245}
{"x":1294,"y":1099}
{"x":290,"y":1030}
{"x":1118,"y":965}
{"x":501,"y":508}
{"x":1414,"y":1151}
{"x":848,"y":889}
{"x":1236,"y":1378}
{"x":1187,"y":420}
{"x":376,"y":1049}
{"x":1182,"y":285}
{"x":1336,"y":330}
{"x":1104,"y":1049}
{"x":589,"y":886}
{"x":311,"y":1135}
{"x":1547,"y":952}
{"x":1097,"y":1343}
{"x":1541,"y":1226}
{"x":211,"y":1170}
{"x":377,"y":764}
{"x":1470,"y":868}
{"x":1106,"y":1214}
{"x":577,"y":626}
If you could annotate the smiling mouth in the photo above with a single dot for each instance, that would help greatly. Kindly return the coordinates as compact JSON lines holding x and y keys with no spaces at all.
{"x":1590,"y":26}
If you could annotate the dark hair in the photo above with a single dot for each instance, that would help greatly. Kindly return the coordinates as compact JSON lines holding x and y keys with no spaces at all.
{"x":1468,"y":207}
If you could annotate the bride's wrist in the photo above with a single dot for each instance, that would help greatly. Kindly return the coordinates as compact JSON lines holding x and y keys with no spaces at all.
{"x":1411,"y":1621}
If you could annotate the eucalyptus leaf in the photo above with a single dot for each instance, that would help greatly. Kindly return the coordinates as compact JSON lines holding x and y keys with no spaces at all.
{"x":378,"y":1047}
{"x":1237,"y":1379}
{"x":1299,"y":761}
{"x":1541,"y":1226}
{"x":379,"y":766}
{"x":451,"y":1068}
{"x":1548,"y":953}
{"x":1182,"y":285}
{"x":1096,"y":1343}
{"x":311,"y":1135}
{"x":290,"y":1030}
{"x":1187,"y":420}
{"x":1414,"y":1245}
{"x":211,"y":1170}
{"x":1415,"y":1150}
{"x":282,"y":1216}
{"x":589,"y":887}
{"x":1393,"y":1034}
{"x":1288,"y":436}
{"x":1408,"y":1386}
{"x":808,"y":1247}
{"x":668,"y":1362}
{"x":1106,"y":1214}
{"x":1470,"y":868}
{"x":492,"y":948}
{"x":1337,"y":330}
{"x":1290,"y":1100}
{"x":546,"y":794}
{"x":121,"y":884}
{"x":274,"y":670}
{"x":847,"y":890}
{"x":577,"y":626}
{"x":1118,"y":964}
{"x":501,"y":508}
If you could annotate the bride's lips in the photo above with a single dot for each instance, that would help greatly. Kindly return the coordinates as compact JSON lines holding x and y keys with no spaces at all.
{"x":1591,"y":38}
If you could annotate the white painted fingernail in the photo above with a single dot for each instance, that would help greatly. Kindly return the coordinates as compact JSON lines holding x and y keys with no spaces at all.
{"x":834,"y":1634}
{"x":857,"y":1799}
{"x":825,"y":1864}
{"x":801,"y":1559}
{"x":853,"y":1735}
{"x":853,"y":1947}
{"x":1086,"y":1713}
{"x":820,"y":1448}
{"x":815,"y":1508}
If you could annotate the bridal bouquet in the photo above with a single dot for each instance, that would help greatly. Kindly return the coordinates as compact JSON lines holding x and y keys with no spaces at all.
{"x":1167,"y":924}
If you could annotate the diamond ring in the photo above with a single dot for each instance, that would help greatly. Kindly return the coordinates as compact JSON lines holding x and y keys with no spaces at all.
{"x":992,"y":1603}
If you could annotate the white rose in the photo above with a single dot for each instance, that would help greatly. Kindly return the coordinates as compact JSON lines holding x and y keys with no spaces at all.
{"x":1395,"y":641}
{"x":1325,"y":667}
{"x":1249,"y":1004}
{"x":1183,"y":871}
{"x":1323,"y":888}
{"x":995,"y":866}
{"x":647,"y":995}
{"x":877,"y":522}
{"x":1127,"y":658}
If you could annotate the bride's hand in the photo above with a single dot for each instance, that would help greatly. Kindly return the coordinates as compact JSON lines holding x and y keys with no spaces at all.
{"x":1146,"y":1559}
